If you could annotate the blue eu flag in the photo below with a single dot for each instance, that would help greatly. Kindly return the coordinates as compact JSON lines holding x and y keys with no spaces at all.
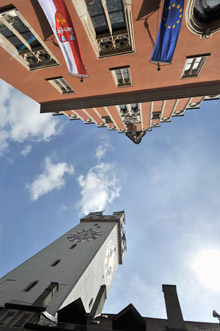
{"x":169,"y":31}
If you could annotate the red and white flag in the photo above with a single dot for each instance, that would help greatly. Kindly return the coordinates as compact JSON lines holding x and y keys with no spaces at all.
{"x":61,"y":24}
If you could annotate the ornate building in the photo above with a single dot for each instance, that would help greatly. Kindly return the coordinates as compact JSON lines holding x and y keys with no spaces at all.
{"x":124,"y":91}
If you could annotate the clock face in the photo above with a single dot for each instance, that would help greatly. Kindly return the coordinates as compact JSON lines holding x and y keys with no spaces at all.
{"x":84,"y":235}
{"x":109,"y":262}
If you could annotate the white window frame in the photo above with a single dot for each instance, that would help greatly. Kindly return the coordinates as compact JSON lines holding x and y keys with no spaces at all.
{"x":194,"y":65}
{"x":124,"y":82}
{"x":24,"y":57}
{"x":62,"y":82}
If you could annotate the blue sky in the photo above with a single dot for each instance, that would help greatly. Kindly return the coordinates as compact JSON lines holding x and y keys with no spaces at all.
{"x":53,"y":171}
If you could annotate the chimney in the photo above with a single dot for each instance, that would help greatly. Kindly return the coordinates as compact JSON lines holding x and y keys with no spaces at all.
{"x":174,"y":313}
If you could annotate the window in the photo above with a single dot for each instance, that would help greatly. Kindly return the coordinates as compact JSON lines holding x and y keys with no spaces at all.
{"x":194,"y":65}
{"x":55,"y":263}
{"x":202,"y":17}
{"x":107,"y":119}
{"x":108,"y":24}
{"x":30,"y":286}
{"x":22,"y":320}
{"x":123,"y":109}
{"x":61,"y":85}
{"x":134,"y":107}
{"x":90,"y":303}
{"x":156,"y":115}
{"x":23,"y":43}
{"x":207,"y":11}
{"x":7,"y":317}
{"x":122,"y":76}
{"x":73,"y":246}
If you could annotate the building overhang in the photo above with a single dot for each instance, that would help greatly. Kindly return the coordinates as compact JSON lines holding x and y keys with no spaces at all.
{"x":168,"y":93}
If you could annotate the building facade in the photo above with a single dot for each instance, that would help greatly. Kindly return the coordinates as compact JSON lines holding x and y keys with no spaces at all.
{"x":124,"y":91}
{"x":74,"y":273}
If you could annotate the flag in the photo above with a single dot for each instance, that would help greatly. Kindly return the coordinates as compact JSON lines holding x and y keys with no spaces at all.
{"x":61,"y":24}
{"x":169,"y":31}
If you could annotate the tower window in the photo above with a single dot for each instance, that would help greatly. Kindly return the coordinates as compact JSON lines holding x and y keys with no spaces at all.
{"x":90,"y":303}
{"x":55,"y":263}
{"x":24,"y":318}
{"x":61,"y":85}
{"x":30,"y":286}
{"x":122,"y":76}
{"x":73,"y":246}
{"x":23,"y":43}
{"x":6,"y":318}
{"x":194,"y":65}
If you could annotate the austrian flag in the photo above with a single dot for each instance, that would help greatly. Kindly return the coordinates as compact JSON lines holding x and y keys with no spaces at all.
{"x":61,"y":24}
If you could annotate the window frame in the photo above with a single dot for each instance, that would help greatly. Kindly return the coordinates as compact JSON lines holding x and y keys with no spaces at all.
{"x":112,"y":38}
{"x":62,"y":82}
{"x":21,"y":56}
{"x":124,"y":83}
{"x":194,"y":72}
{"x":4,"y":316}
{"x":30,"y":314}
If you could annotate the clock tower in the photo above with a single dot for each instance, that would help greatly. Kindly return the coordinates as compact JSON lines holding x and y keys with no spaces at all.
{"x":77,"y":269}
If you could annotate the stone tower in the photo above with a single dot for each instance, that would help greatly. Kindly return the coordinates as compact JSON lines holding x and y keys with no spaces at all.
{"x":74,"y":273}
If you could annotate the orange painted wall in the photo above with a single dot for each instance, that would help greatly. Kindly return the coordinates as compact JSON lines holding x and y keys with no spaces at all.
{"x":100,"y":81}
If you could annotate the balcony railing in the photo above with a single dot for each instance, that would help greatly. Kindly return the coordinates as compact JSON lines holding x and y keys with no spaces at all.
{"x":115,"y":44}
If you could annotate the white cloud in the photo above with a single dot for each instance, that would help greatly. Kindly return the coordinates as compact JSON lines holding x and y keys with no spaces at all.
{"x":27,"y":149}
{"x":21,"y":119}
{"x":51,"y":178}
{"x":99,"y":187}
{"x":101,"y":151}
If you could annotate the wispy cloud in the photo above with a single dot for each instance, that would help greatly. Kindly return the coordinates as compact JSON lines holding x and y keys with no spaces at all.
{"x":52,"y":178}
{"x":99,"y":188}
{"x":101,"y":150}
{"x":21,"y":119}
{"x":27,"y":149}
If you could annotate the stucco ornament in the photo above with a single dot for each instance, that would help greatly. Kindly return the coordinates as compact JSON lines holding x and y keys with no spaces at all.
{"x":109,"y":262}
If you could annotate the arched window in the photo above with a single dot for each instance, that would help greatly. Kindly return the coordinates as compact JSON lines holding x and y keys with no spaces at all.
{"x":203,"y":17}
{"x":207,"y":11}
